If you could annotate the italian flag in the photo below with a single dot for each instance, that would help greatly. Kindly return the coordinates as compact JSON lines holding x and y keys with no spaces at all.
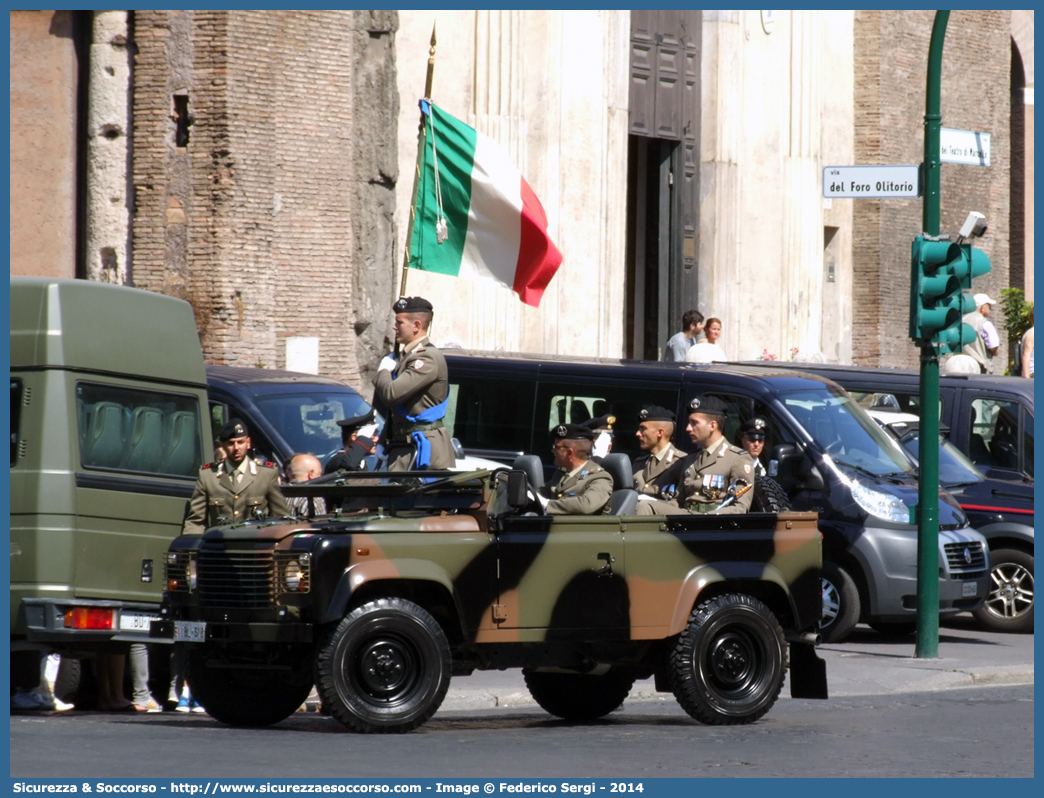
{"x":495,"y":229}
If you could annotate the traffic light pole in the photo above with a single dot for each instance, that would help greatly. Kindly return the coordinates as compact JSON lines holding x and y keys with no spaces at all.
{"x":928,"y":483}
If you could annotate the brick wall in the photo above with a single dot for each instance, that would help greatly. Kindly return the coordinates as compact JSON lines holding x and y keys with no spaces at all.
{"x":275,"y":219}
{"x":890,"y":70}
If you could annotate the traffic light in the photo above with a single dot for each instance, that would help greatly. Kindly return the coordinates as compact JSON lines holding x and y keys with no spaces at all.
{"x":940,"y":272}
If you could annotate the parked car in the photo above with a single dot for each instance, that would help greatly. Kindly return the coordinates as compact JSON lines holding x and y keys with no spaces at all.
{"x":1001,"y":510}
{"x":990,"y":418}
{"x":826,"y":453}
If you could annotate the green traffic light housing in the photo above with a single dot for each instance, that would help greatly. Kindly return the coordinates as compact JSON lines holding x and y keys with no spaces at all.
{"x":940,"y":273}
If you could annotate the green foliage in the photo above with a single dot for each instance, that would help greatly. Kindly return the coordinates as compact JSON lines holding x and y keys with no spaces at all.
{"x":1018,"y":317}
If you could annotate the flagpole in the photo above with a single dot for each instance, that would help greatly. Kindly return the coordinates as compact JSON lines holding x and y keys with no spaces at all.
{"x":421,"y":138}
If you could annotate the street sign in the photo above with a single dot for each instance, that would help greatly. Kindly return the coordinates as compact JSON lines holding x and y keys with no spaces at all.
{"x":871,"y":182}
{"x":964,"y":146}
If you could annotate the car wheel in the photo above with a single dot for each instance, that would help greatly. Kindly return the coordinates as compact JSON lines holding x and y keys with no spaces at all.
{"x":729,"y":663}
{"x":1009,"y":604}
{"x":840,"y":603}
{"x":385,"y":668}
{"x":67,"y":683}
{"x":894,"y":628}
{"x":769,"y":497}
{"x":247,"y":696}
{"x":579,"y":696}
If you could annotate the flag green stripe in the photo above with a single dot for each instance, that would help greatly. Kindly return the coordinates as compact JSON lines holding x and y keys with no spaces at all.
{"x":455,"y":148}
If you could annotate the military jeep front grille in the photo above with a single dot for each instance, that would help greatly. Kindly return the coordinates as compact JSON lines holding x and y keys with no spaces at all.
{"x":966,"y":560}
{"x":242,"y":579}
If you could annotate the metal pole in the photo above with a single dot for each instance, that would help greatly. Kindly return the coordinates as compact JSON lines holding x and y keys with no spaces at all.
{"x":421,"y":141}
{"x":928,"y":483}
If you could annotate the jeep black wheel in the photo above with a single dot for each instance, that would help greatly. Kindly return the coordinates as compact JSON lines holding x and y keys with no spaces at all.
{"x":840,"y":603}
{"x":1009,"y":604}
{"x":385,"y":668}
{"x":769,"y":497}
{"x":247,"y":696}
{"x":728,"y":664}
{"x":579,"y":696}
{"x":67,"y":683}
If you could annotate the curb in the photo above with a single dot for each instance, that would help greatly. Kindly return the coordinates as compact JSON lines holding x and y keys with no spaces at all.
{"x":907,"y":680}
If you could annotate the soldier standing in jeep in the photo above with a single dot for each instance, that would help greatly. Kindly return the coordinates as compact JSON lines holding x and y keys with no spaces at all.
{"x":237,"y":488}
{"x":710,"y":472}
{"x":415,"y":389}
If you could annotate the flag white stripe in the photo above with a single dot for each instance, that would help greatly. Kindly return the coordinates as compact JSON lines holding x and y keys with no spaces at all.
{"x":494,"y":218}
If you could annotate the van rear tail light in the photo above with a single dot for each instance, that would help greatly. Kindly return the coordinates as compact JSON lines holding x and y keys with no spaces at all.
{"x":89,"y":618}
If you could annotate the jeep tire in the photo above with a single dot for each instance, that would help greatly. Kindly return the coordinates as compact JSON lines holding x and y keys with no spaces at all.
{"x":247,"y":696}
{"x":729,"y":663}
{"x":579,"y":696}
{"x":385,"y":668}
{"x":769,"y":497}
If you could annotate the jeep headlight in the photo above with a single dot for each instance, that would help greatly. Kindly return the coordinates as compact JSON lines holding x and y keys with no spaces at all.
{"x":880,"y":504}
{"x":190,"y":573}
{"x":295,"y":574}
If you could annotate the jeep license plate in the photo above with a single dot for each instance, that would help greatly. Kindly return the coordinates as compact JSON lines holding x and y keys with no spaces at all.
{"x":190,"y":630}
{"x":136,"y":621}
{"x":970,"y":589}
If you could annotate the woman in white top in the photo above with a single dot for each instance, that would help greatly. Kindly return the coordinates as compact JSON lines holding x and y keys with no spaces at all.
{"x":1027,"y":351}
{"x":707,"y":350}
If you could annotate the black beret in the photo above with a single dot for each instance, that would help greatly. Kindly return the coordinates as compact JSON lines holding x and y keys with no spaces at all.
{"x":602,"y":422}
{"x":357,"y":421}
{"x":412,"y":304}
{"x":573,"y":432}
{"x":755,"y":427}
{"x":711,"y":405}
{"x":233,"y":429}
{"x":655,"y":413}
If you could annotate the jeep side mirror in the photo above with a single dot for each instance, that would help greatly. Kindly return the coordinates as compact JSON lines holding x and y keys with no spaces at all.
{"x":787,"y":460}
{"x":517,"y":489}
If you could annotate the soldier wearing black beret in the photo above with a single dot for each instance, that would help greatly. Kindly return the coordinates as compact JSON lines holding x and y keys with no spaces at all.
{"x":580,"y":486}
{"x":236,"y":489}
{"x":710,"y":471}
{"x":415,"y":390}
{"x":602,"y":427}
{"x":752,"y":434}
{"x":656,"y":472}
{"x":354,"y":448}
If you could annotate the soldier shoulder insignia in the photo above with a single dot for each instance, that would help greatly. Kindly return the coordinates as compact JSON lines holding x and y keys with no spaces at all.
{"x":205,"y":466}
{"x":417,"y":365}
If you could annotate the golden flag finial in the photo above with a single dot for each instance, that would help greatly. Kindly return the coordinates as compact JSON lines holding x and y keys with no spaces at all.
{"x":431,"y":65}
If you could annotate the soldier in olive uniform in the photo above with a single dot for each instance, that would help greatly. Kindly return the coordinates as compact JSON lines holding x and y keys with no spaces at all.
{"x":581,"y":486}
{"x":752,"y":438}
{"x":415,"y":389}
{"x":355,"y":447}
{"x":657,"y":472}
{"x":602,"y":428}
{"x":236,"y":489}
{"x":710,"y":471}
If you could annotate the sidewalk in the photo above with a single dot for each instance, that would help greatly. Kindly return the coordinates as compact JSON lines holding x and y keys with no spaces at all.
{"x":865,"y":664}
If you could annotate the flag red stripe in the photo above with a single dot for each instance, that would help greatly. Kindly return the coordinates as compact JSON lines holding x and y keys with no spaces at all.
{"x":538,"y":257}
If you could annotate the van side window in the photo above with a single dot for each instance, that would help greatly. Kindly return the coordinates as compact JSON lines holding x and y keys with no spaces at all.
{"x":994,"y":439}
{"x":571,"y":403}
{"x":16,"y":414}
{"x":496,"y":415}
{"x":128,"y":429}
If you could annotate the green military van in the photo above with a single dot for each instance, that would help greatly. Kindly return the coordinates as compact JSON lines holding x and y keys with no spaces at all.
{"x":109,"y":427}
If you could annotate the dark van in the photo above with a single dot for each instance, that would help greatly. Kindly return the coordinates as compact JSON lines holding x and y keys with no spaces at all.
{"x":828,"y":454}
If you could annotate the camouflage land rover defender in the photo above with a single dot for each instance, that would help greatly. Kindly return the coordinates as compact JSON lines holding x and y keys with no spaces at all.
{"x":414,"y":579}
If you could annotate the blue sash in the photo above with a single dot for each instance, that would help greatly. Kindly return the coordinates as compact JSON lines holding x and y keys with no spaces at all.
{"x":420,"y":440}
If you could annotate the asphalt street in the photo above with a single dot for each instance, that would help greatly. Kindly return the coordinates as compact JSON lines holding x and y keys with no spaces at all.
{"x":967,"y":713}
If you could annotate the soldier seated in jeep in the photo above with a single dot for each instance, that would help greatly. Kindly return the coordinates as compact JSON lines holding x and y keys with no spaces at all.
{"x":580,"y":486}
{"x":713,"y":475}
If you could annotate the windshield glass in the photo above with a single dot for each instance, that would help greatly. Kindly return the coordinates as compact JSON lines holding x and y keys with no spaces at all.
{"x":954,"y":467}
{"x":308,"y":420}
{"x":846,"y":433}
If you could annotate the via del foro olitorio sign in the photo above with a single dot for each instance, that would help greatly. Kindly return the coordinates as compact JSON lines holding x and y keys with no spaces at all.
{"x":871,"y":182}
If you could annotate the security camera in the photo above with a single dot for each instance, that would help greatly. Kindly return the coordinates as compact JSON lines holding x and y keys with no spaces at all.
{"x":974,"y":226}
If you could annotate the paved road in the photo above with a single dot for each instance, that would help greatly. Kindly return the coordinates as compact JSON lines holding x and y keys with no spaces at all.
{"x":968,"y":732}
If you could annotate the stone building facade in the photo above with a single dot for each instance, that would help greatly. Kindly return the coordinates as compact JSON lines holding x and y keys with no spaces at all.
{"x":259,"y":164}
